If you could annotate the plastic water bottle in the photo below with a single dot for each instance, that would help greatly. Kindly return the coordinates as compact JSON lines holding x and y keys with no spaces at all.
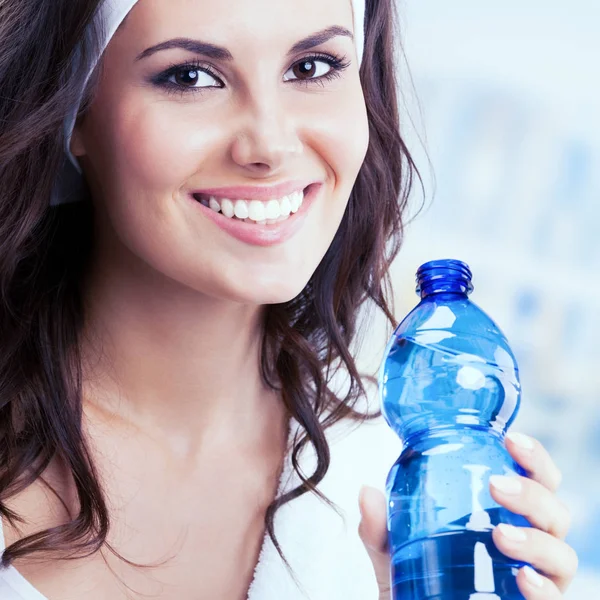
{"x":449,"y":387}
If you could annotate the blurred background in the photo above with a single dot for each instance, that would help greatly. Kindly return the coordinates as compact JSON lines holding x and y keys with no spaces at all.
{"x":503,"y":99}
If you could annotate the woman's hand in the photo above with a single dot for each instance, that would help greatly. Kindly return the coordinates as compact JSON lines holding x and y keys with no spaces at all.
{"x":534,"y":498}
{"x":542,"y":546}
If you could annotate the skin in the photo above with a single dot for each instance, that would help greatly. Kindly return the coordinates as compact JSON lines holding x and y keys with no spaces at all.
{"x":184,"y":433}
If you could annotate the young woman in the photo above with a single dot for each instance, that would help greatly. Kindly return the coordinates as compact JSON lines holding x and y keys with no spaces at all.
{"x":184,"y":250}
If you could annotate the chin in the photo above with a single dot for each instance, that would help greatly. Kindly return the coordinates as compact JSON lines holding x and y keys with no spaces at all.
{"x":277,"y":295}
{"x":269,"y":290}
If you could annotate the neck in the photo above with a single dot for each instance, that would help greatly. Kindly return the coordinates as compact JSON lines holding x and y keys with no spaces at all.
{"x":172,"y":361}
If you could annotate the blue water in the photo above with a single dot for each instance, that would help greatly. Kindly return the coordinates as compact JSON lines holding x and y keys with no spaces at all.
{"x":449,"y":388}
{"x":441,"y":515}
{"x":454,"y":565}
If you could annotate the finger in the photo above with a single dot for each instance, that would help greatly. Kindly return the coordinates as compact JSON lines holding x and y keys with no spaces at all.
{"x":532,"y":500}
{"x":553,"y":557}
{"x":536,"y":587}
{"x":373,"y":533}
{"x":534,"y":458}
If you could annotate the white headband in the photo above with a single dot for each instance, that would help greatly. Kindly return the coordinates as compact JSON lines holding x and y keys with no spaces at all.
{"x":112,"y":13}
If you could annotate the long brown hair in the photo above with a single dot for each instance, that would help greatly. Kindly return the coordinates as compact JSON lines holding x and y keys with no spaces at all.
{"x":44,"y":252}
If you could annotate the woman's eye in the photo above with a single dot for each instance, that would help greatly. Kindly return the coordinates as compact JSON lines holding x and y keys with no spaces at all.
{"x":308,"y":69}
{"x":193,"y":78}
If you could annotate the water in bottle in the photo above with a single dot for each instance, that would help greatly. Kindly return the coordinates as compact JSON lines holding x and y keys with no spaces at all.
{"x":450,"y":389}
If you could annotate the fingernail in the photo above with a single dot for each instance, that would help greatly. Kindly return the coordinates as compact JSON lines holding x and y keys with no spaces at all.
{"x":507,"y":485}
{"x":521,"y":440}
{"x":532,"y":577}
{"x":512,"y":533}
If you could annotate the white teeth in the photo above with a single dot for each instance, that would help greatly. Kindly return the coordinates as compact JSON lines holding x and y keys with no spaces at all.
{"x":296,"y":201}
{"x":227,"y":208}
{"x":256,"y":211}
{"x":286,"y":207}
{"x":273,"y":209}
{"x":241,"y":209}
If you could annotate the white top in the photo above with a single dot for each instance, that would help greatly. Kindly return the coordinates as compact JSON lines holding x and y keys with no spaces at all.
{"x":325,"y":552}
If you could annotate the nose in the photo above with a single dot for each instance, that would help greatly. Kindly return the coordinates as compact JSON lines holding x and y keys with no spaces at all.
{"x":267,"y":138}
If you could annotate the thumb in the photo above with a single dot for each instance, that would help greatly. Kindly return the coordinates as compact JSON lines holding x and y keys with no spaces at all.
{"x":374,"y":535}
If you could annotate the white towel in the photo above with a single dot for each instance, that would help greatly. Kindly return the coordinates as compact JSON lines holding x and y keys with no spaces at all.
{"x":324,"y":550}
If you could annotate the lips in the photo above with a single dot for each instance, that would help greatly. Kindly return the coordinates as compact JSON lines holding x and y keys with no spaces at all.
{"x":254,"y":192}
{"x":262,"y":232}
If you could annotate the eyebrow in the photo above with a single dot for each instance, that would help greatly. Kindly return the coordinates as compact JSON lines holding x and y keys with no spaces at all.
{"x":316,"y":39}
{"x":220,"y":53}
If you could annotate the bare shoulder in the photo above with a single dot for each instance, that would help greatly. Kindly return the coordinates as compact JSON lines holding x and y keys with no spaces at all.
{"x":47,"y":502}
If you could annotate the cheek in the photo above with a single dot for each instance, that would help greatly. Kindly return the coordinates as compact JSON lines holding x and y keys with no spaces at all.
{"x":142,"y":154}
{"x":339,"y":136}
{"x":338,"y":133}
{"x":161,"y":146}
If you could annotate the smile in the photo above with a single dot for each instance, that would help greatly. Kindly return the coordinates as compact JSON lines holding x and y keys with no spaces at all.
{"x":259,"y":216}
{"x":267,"y":212}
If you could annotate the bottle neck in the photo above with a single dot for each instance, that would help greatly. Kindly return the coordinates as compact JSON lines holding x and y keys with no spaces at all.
{"x":446,"y":293}
{"x":444,"y":277}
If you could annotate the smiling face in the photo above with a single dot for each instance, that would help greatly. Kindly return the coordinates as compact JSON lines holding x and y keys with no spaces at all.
{"x":223,"y":142}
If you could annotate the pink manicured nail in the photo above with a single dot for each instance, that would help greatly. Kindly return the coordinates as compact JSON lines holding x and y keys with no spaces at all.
{"x":533,"y":577}
{"x":521,"y":440}
{"x":512,"y":533}
{"x":506,"y":485}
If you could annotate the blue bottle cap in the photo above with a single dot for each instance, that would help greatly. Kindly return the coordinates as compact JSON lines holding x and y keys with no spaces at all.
{"x":446,"y":275}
